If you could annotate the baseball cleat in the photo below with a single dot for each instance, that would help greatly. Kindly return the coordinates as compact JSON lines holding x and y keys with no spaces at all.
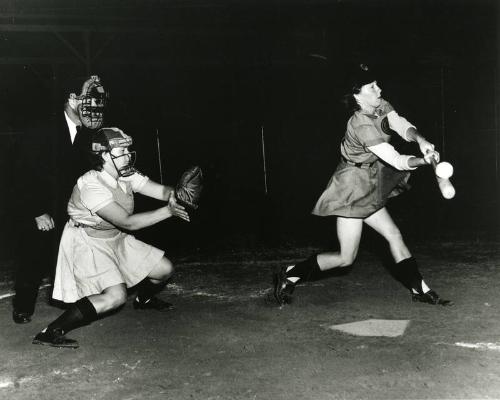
{"x":55,"y":338}
{"x":283,"y":288}
{"x":154,"y":303}
{"x":431,"y":297}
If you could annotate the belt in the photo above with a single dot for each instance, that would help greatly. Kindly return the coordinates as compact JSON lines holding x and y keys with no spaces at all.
{"x":78,"y":224}
{"x":358,"y":165}
{"x":96,"y":228}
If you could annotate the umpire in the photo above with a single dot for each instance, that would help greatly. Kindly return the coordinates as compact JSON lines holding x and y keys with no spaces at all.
{"x":53,"y":157}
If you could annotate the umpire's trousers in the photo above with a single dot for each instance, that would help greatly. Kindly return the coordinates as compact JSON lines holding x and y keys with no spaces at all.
{"x":36,"y":256}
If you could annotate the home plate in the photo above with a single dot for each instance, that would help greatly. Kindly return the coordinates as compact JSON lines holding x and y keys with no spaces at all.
{"x":374,"y":327}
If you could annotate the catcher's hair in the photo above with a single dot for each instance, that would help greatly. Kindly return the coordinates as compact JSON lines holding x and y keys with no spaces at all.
{"x":104,"y":138}
{"x":96,"y":162}
{"x":94,"y":158}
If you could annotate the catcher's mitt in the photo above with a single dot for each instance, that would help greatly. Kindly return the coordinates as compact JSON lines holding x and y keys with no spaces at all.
{"x":188,"y":189}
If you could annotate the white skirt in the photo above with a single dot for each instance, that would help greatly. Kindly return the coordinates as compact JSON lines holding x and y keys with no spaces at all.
{"x":87,"y":265}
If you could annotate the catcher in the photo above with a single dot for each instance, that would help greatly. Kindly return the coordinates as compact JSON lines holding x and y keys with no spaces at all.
{"x":98,"y":260}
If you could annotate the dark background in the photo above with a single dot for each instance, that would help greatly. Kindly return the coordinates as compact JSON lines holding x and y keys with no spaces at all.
{"x":212,"y":78}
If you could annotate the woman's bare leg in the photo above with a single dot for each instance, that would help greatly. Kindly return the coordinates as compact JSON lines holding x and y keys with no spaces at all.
{"x":349,"y":234}
{"x":383,"y":224}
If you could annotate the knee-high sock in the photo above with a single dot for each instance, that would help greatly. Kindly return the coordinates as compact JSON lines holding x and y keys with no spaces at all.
{"x":78,"y":314}
{"x":147,"y":289}
{"x":406,"y":271}
{"x":303,"y":270}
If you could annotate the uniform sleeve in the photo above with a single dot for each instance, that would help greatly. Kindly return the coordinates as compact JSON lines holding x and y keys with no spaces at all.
{"x":391,"y":156}
{"x":137,"y":181}
{"x":95,"y":196}
{"x":399,"y":124}
{"x":368,"y":135}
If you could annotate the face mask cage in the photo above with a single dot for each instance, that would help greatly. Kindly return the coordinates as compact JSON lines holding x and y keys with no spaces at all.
{"x":92,"y":105}
{"x":109,"y":144}
{"x":127,"y":169}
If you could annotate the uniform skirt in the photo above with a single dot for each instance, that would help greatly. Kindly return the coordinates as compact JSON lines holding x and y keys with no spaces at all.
{"x":359,"y":191}
{"x":87,"y":265}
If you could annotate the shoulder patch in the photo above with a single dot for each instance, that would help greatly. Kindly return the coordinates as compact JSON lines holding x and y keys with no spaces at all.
{"x":384,"y":125}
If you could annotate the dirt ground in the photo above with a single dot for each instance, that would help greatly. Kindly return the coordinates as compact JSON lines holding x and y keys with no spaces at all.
{"x":226,"y":340}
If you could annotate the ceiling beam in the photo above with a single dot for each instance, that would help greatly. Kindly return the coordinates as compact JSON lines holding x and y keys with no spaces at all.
{"x":74,"y":28}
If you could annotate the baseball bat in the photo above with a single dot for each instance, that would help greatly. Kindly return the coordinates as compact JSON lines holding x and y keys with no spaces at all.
{"x":444,"y":184}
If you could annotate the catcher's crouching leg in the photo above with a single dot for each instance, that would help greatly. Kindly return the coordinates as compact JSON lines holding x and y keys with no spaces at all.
{"x":78,"y":314}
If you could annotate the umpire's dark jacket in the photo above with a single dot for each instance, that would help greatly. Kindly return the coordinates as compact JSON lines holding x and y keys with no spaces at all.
{"x":49,"y":168}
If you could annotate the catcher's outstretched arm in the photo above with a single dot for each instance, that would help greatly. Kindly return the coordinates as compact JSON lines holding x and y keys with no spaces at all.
{"x":119,"y":217}
{"x":156,"y":191}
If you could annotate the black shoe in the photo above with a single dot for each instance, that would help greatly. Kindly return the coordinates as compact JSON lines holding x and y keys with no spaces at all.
{"x":283,"y":288}
{"x":154,"y":303}
{"x":55,"y":338}
{"x":21,"y":317}
{"x":431,"y":297}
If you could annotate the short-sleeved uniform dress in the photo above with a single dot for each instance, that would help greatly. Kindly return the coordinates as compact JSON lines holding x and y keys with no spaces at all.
{"x":94,"y":254}
{"x":362,"y":183}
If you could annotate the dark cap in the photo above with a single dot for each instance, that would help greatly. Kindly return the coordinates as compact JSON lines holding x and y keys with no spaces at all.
{"x":360,"y":75}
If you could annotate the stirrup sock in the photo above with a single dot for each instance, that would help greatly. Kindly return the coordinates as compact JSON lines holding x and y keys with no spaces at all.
{"x":406,"y":271}
{"x":424,"y":287}
{"x":303,"y":270}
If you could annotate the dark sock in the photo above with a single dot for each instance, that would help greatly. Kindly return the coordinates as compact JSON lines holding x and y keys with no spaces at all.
{"x":147,"y":289}
{"x":78,"y":314}
{"x":406,"y":271}
{"x":305,"y":269}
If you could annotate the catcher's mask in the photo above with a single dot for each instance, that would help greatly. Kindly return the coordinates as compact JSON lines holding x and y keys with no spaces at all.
{"x":91,"y":103}
{"x":107,"y":139}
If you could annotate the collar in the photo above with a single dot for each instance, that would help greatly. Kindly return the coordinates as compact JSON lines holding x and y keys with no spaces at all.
{"x":109,"y":180}
{"x":374,"y":115}
{"x":71,"y":127}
